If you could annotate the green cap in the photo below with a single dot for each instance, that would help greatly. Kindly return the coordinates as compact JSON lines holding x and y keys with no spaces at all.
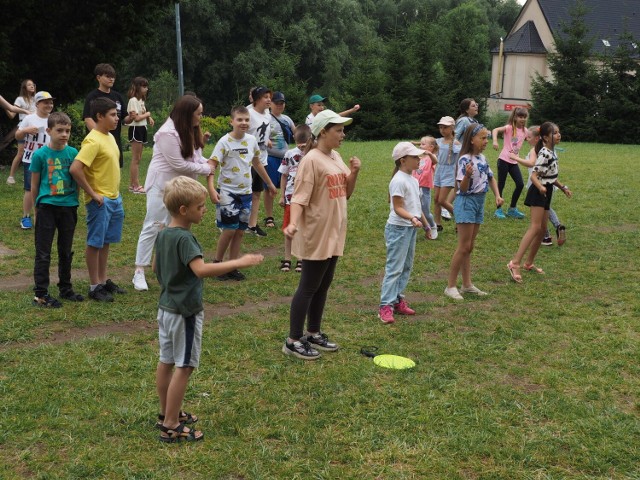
{"x":316,"y":98}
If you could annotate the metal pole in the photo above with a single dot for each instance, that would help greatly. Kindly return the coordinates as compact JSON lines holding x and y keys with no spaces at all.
{"x":179,"y":51}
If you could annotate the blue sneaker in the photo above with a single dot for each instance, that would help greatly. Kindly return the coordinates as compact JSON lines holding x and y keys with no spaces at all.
{"x":26,"y":223}
{"x":499,"y":213}
{"x":515,"y":213}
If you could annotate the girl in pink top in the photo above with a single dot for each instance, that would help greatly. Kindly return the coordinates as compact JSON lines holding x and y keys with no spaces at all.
{"x":515,"y":132}
{"x":424,"y":174}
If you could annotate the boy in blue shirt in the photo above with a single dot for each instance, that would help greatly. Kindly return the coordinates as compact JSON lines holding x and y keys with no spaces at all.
{"x":55,"y":196}
{"x":180,"y":268}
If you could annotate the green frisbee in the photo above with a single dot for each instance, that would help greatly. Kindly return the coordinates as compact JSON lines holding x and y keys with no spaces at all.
{"x":386,"y":360}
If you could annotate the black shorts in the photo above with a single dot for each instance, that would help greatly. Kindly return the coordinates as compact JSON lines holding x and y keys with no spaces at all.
{"x":535,"y":199}
{"x":257,"y":184}
{"x":138,"y":134}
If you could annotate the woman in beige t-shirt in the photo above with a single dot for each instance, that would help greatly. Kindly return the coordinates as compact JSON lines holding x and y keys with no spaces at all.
{"x":318,"y":228}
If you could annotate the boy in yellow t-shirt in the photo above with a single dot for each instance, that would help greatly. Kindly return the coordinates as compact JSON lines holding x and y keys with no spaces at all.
{"x":97,"y":171}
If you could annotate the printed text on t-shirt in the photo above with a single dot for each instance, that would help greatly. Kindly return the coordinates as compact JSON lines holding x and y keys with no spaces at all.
{"x":337,"y":184}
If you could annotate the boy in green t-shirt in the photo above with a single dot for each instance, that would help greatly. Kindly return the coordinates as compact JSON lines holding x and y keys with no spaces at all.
{"x":55,"y":194}
{"x":180,"y":268}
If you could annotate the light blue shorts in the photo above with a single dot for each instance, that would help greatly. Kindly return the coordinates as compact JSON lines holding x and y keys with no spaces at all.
{"x":104,"y":223}
{"x":469,"y":208}
{"x":180,"y":338}
{"x":233,"y":210}
{"x":445,"y":175}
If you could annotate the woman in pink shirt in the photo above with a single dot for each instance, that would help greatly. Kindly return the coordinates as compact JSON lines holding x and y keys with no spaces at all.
{"x":177,"y":150}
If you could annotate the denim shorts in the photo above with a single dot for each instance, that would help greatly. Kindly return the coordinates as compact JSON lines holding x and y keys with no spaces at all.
{"x":104,"y":223}
{"x":445,"y":175}
{"x":26,"y":177}
{"x":233,"y":210}
{"x":469,"y":208}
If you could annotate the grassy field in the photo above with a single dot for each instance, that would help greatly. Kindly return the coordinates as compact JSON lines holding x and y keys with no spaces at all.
{"x":536,"y":381}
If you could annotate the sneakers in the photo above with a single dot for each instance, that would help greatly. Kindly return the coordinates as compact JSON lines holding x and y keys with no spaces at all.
{"x":236,"y":275}
{"x":46,"y":301}
{"x":72,"y":296}
{"x":434,"y":233}
{"x":386,"y":314}
{"x":26,"y":223}
{"x":321,"y":342}
{"x":100,"y":294}
{"x":547,"y":241}
{"x":112,"y":288}
{"x":561,"y":235}
{"x":453,"y":293}
{"x":257,"y":231}
{"x":444,"y":213}
{"x":499,"y":214}
{"x":402,"y":308}
{"x":515,"y":213}
{"x":224,"y":277}
{"x":11,"y":181}
{"x":439,"y":228}
{"x":300,"y":349}
{"x":473,"y":289}
{"x":139,"y":281}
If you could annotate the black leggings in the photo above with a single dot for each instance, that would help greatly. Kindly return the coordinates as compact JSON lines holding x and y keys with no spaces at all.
{"x":309,"y":299}
{"x":512,"y":169}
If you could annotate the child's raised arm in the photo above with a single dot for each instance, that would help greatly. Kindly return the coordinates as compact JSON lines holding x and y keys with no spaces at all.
{"x":528,"y":162}
{"x":494,"y":135}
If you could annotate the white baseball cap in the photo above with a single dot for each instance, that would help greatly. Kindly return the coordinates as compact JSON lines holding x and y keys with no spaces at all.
{"x":406,"y":148}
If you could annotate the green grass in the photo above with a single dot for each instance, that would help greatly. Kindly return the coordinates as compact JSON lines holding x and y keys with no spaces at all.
{"x":536,"y":381}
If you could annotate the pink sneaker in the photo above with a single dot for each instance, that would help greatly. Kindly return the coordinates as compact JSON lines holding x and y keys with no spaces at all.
{"x":402,"y":308}
{"x":386,"y":314}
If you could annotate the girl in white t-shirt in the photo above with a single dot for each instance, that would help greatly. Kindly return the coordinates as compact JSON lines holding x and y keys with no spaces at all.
{"x":400,"y":232}
{"x":26,"y":102}
{"x":137,"y":129}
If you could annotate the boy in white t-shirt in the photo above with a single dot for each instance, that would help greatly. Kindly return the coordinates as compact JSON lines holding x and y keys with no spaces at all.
{"x":33,"y":130}
{"x":288,"y":169}
{"x":236,"y":152}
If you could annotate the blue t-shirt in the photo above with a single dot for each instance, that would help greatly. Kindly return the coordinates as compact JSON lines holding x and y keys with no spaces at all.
{"x":57,"y":186}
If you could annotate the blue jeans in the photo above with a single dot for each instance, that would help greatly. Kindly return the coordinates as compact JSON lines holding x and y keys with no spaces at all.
{"x":425,"y":202}
{"x":401,"y":246}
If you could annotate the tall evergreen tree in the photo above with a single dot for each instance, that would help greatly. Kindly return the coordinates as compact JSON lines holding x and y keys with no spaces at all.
{"x":570,"y":97}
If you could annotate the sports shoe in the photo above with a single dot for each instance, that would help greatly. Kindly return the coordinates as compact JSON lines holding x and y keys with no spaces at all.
{"x":321,"y":342}
{"x":434,"y":233}
{"x":139,"y":281}
{"x":473,"y":289}
{"x":46,"y":301}
{"x":236,"y":275}
{"x":26,"y":223}
{"x":11,"y":181}
{"x":300,"y":349}
{"x":453,"y":293}
{"x":72,"y":296}
{"x":402,"y":308}
{"x":444,"y":213}
{"x":499,"y":214}
{"x":385,"y":314}
{"x":515,"y":213}
{"x":224,"y":277}
{"x":111,"y":287}
{"x":547,"y":241}
{"x":561,"y":235}
{"x":439,"y":228}
{"x":257,"y":231}
{"x":100,"y":294}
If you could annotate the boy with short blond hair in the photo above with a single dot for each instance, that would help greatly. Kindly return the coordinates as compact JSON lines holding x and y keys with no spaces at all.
{"x":180,"y":268}
{"x":235,"y":152}
{"x":55,"y":195}
{"x":97,"y":171}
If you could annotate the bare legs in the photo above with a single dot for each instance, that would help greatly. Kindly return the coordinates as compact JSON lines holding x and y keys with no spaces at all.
{"x":461,"y":261}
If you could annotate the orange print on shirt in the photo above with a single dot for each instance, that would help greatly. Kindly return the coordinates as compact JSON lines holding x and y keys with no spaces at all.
{"x":337,"y":185}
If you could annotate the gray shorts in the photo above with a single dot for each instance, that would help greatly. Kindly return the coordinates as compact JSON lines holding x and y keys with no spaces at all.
{"x":180,"y":338}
